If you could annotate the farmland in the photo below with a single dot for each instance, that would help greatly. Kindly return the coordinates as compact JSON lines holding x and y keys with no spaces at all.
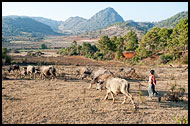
{"x":68,"y":101}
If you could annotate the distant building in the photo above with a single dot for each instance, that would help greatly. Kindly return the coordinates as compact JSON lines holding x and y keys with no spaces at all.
{"x":128,"y":54}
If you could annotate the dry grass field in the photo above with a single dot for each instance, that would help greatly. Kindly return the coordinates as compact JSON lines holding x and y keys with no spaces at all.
{"x":68,"y":101}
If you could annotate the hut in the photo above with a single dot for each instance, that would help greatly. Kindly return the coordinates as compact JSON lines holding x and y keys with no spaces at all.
{"x":128,"y":54}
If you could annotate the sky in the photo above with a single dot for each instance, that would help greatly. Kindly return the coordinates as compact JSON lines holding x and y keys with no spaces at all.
{"x":60,"y":11}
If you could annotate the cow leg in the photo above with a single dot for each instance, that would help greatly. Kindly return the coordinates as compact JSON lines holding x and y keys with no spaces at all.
{"x":42,"y":76}
{"x":30,"y":75}
{"x":90,"y":86}
{"x":34,"y":75}
{"x":92,"y":82}
{"x":15,"y":73}
{"x":112,"y":96}
{"x":106,"y":97}
{"x":131,"y":99}
{"x":125,"y":97}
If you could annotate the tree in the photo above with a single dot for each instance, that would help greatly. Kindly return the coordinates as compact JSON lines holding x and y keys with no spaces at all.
{"x":164,"y":34}
{"x":119,"y":47}
{"x":151,"y":40}
{"x":131,"y":41}
{"x":113,"y":43}
{"x":74,"y":44}
{"x":141,"y":51}
{"x":43,"y":46}
{"x":5,"y":58}
{"x":104,"y":44}
{"x":179,"y":37}
{"x":88,"y":50}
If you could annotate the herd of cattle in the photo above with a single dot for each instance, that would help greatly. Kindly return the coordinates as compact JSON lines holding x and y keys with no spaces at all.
{"x":115,"y":83}
{"x":102,"y":77}
{"x":43,"y":72}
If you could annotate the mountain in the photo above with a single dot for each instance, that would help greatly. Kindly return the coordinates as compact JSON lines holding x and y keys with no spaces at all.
{"x":72,"y":23}
{"x":100,"y":20}
{"x":121,"y":29}
{"x":106,"y":21}
{"x":23,"y":26}
{"x":172,"y":21}
{"x":52,"y":23}
{"x":141,"y":28}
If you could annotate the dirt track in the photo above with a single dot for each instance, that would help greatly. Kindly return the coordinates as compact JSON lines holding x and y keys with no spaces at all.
{"x":68,"y":101}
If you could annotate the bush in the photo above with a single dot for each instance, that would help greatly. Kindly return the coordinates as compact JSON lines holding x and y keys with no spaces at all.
{"x":165,"y":58}
{"x":6,"y":59}
{"x":43,"y":46}
{"x":98,"y":56}
{"x":183,"y":120}
{"x":15,"y":51}
{"x":184,"y":59}
{"x":24,"y":60}
{"x":135,"y":59}
{"x":110,"y":55}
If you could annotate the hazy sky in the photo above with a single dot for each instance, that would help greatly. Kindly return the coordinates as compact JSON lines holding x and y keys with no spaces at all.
{"x":137,"y":11}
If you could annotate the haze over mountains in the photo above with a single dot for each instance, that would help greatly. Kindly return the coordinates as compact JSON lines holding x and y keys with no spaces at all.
{"x":24,"y":25}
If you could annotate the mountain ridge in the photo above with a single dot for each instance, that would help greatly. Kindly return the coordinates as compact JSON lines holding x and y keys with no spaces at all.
{"x":99,"y":21}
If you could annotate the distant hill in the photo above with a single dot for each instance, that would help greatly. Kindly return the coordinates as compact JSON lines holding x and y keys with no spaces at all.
{"x":141,"y":28}
{"x":71,"y":24}
{"x":172,"y":21}
{"x":52,"y":23}
{"x":23,"y":26}
{"x":100,"y":20}
{"x":105,"y":22}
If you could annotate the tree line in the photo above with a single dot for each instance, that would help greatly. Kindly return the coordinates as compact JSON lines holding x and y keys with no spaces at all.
{"x":171,"y":42}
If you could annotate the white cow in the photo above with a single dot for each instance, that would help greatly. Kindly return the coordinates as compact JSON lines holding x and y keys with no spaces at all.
{"x":116,"y":86}
{"x":31,"y":71}
{"x":46,"y":71}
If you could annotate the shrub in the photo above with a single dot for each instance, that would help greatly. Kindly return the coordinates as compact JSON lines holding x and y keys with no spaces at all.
{"x":15,"y":51}
{"x":183,"y":120}
{"x":184,"y":59}
{"x":6,"y":59}
{"x":24,"y":60}
{"x":109,"y":56}
{"x":165,"y":58}
{"x":135,"y":59}
{"x":13,"y":62}
{"x":43,"y":46}
{"x":98,"y":56}
{"x":118,"y":55}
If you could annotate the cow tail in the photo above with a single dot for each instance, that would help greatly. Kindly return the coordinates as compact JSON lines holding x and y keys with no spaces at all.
{"x":128,"y":86}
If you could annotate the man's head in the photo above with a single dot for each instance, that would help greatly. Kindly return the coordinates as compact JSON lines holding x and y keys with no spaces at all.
{"x":152,"y":72}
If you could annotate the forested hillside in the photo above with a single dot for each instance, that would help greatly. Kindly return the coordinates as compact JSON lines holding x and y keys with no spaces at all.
{"x":22,"y":26}
{"x":52,"y":23}
{"x":172,"y":21}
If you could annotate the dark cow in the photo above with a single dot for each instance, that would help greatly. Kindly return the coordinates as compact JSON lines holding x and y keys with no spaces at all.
{"x":13,"y":68}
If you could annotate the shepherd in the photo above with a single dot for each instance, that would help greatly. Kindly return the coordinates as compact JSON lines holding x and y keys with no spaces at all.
{"x":151,"y":85}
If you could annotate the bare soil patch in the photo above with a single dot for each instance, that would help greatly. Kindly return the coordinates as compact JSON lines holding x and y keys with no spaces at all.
{"x":69,"y":101}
